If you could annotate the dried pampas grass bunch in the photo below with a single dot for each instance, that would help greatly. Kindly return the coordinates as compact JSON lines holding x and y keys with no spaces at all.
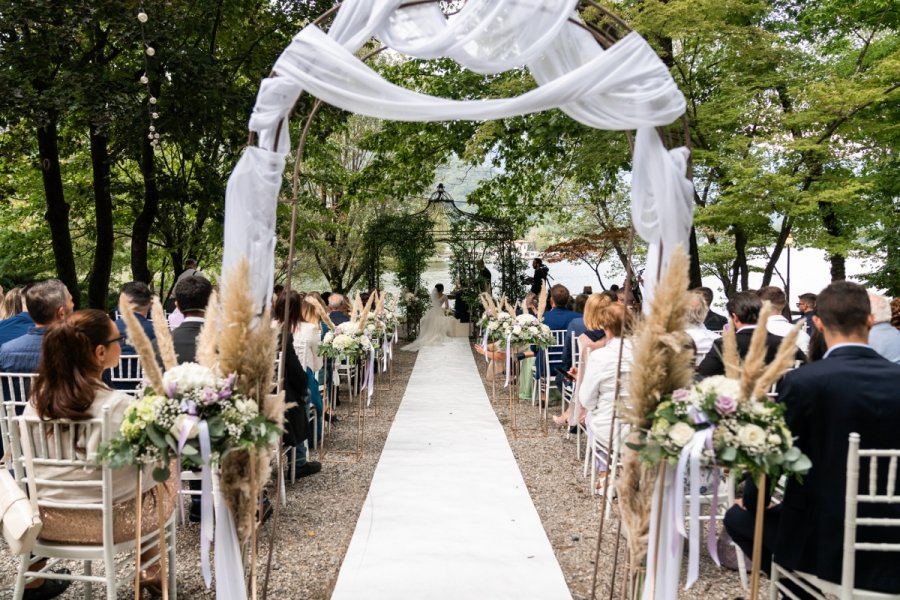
{"x":663,"y":361}
{"x":243,"y":343}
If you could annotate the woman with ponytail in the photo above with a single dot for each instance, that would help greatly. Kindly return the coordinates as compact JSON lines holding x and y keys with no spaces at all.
{"x":75,"y":352}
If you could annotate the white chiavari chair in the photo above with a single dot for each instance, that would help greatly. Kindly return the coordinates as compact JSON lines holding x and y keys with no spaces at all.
{"x":879,"y":488}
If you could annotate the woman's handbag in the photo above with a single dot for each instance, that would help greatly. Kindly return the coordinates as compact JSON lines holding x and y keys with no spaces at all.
{"x":19,"y":514}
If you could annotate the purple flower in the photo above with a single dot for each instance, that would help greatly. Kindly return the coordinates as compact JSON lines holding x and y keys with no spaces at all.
{"x":681,"y":395}
{"x":209,"y":396}
{"x":189,"y":407}
{"x":725,"y":405}
{"x":171,"y":389}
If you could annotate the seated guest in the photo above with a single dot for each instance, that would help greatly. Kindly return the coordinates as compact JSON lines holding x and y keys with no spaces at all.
{"x":713,"y":321}
{"x":851,"y":390}
{"x":884,"y":339}
{"x":557,"y":319}
{"x":696,"y":316}
{"x":68,"y":386}
{"x":140,"y":298}
{"x":47,"y":301}
{"x":603,"y":370}
{"x":744,"y":309}
{"x":576,"y":328}
{"x":589,"y":338}
{"x":191,"y":297}
{"x":16,"y":321}
{"x":299,"y":382}
{"x":777,"y":324}
{"x":13,"y":304}
{"x":806,"y":304}
{"x":338,"y":310}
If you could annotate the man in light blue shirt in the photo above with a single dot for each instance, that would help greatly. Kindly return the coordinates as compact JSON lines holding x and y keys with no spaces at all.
{"x":883,"y":337}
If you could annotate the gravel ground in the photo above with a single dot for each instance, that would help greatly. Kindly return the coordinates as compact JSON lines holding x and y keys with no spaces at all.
{"x":315,"y":528}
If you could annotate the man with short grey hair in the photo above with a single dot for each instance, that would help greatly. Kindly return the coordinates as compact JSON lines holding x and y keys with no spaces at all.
{"x":47,"y":301}
{"x":336,"y":309}
{"x":883,"y":338}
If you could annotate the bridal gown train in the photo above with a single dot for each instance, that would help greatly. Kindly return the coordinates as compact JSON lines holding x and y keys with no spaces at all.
{"x":435,"y":327}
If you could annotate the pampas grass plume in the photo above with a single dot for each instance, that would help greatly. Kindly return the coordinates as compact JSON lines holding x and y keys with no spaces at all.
{"x":320,"y":310}
{"x":731,"y":358}
{"x":163,"y":335}
{"x":755,"y":359}
{"x":784,"y":360}
{"x":207,"y":340}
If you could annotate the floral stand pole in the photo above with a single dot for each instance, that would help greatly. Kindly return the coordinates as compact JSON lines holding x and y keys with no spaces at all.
{"x":757,"y":537}
{"x":137,"y":536}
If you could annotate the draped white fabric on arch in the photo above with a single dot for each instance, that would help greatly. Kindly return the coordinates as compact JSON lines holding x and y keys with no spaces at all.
{"x":624,"y":87}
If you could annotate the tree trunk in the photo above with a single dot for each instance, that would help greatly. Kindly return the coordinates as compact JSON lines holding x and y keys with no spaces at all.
{"x":696,"y":276}
{"x":833,"y":227}
{"x":740,"y":261}
{"x":140,"y":231}
{"x":57,"y":214}
{"x":98,"y":286}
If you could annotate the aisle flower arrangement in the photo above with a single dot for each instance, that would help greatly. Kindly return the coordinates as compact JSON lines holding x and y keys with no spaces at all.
{"x":193,"y":399}
{"x":748,"y":433}
{"x":527,"y":330}
{"x":499,"y":326}
{"x":348,"y":340}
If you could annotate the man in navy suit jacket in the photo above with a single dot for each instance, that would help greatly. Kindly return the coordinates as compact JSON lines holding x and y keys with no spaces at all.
{"x":557,"y":318}
{"x":852,"y":389}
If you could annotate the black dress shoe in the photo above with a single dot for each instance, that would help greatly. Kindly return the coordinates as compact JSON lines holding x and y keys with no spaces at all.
{"x":51,"y":588}
{"x":308,"y":468}
{"x":194,"y":513}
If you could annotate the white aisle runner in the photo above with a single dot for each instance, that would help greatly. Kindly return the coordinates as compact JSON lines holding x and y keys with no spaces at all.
{"x":448,"y":514}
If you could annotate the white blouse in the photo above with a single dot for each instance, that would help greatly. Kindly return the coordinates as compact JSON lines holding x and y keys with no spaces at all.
{"x":598,"y":388}
{"x":310,"y":334}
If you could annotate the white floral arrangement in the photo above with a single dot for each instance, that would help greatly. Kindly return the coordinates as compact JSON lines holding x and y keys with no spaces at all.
{"x":748,"y":434}
{"x":155,"y":426}
{"x":499,"y":326}
{"x":528,"y":331}
{"x":347,"y":341}
{"x":520,"y":330}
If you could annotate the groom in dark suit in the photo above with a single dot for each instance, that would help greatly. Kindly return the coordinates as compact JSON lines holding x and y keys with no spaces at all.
{"x":852,"y":389}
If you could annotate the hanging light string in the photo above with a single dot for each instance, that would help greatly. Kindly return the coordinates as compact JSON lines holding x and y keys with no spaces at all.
{"x":148,"y":52}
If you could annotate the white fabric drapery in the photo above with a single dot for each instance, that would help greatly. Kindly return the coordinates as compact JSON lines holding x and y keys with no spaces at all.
{"x":622,"y":88}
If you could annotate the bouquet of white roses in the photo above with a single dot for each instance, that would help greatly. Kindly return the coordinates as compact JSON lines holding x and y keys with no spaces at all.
{"x":195,"y":402}
{"x":749,"y":434}
{"x":347,"y":341}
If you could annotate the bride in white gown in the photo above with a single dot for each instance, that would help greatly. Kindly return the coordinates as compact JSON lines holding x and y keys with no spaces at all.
{"x":435,"y":326}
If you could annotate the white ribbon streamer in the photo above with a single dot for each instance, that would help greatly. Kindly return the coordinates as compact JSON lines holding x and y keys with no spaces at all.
{"x":229,"y":566}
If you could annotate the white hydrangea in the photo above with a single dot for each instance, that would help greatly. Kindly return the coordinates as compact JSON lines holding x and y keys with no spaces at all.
{"x":342,"y":341}
{"x":720,"y":385}
{"x":189,"y":376}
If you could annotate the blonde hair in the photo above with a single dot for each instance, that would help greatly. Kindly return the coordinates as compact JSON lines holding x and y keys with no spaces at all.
{"x":697,"y":309}
{"x":308,"y":312}
{"x":600,"y":312}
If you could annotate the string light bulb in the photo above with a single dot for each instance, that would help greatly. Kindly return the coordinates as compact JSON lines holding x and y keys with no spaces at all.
{"x":149,"y":51}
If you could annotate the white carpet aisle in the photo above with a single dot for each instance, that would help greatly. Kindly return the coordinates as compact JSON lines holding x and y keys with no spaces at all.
{"x":448,"y":514}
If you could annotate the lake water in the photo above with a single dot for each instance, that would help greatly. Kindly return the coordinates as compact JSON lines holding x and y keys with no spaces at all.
{"x":810,"y":272}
